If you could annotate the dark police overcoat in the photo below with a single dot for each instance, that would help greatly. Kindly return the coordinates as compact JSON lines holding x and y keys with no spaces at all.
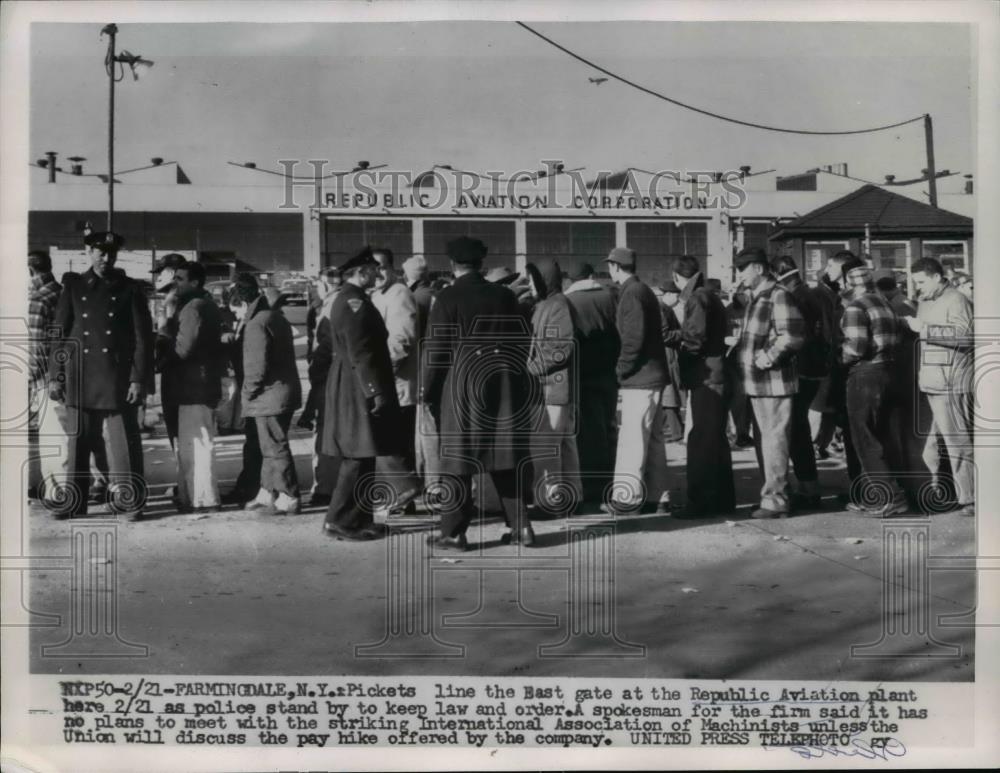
{"x":106,"y":340}
{"x":360,"y":368}
{"x":474,"y":377}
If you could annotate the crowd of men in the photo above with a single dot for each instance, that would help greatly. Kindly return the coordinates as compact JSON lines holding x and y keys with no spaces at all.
{"x":563,"y":390}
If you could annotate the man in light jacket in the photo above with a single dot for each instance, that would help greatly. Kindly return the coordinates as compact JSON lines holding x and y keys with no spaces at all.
{"x":945,"y":323}
{"x":553,"y":361}
{"x":395,"y":303}
{"x":271,"y":393}
{"x":641,"y":463}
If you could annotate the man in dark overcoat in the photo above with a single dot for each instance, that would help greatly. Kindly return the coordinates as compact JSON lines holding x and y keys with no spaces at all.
{"x":102,"y":368}
{"x":361,"y":415}
{"x":475,"y":385}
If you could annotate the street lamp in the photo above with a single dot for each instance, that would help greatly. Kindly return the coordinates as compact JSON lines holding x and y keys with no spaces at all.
{"x":115,"y":67}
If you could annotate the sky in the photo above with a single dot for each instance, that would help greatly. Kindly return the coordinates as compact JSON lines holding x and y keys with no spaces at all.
{"x":491,"y":96}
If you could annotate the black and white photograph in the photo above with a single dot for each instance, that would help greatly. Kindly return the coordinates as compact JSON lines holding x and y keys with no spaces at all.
{"x":542,"y":384}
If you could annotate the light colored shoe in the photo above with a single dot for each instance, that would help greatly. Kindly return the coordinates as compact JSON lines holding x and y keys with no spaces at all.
{"x":263,"y":501}
{"x":286,"y":504}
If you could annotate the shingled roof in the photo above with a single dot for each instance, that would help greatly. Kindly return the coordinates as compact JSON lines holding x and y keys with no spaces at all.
{"x":885,"y":212}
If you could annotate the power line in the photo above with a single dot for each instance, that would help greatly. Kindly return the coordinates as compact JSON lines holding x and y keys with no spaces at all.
{"x":710,"y":114}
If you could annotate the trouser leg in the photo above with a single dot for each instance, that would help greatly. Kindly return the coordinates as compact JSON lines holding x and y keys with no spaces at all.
{"x":456,"y":519}
{"x":710,"y":487}
{"x":347,"y":510}
{"x":248,"y":482}
{"x":953,"y":421}
{"x":868,"y":406}
{"x":773,"y":416}
{"x":802,"y":453}
{"x":278,"y":467}
{"x":196,"y":456}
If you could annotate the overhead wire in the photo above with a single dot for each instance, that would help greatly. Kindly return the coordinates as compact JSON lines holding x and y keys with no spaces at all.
{"x":709,"y":113}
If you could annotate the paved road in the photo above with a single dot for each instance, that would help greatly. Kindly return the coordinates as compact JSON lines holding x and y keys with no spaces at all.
{"x":241,"y":593}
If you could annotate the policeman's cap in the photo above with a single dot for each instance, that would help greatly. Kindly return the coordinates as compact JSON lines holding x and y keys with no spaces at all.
{"x":466,"y":251}
{"x":105,"y":241}
{"x":363,"y":258}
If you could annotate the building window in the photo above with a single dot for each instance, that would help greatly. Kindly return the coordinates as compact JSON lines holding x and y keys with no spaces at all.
{"x":954,"y":253}
{"x":892,"y":255}
{"x":658,"y":242}
{"x":571,"y":244}
{"x":345,"y":237}
{"x":498,"y":235}
{"x":818,"y":253}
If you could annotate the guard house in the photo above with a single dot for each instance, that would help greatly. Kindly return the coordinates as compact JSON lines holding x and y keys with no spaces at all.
{"x":893,"y":230}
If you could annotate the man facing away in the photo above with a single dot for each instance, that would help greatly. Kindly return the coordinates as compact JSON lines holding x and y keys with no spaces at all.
{"x":701,"y":348}
{"x":475,"y":331}
{"x":189,"y":354}
{"x":271,"y":393}
{"x":398,"y":308}
{"x":772,"y":332}
{"x":871,"y":334}
{"x":945,"y":323}
{"x":641,"y":461}
{"x":597,"y":348}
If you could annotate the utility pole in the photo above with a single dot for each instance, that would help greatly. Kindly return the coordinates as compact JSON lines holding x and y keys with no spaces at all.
{"x":111,"y":30}
{"x":931,"y":171}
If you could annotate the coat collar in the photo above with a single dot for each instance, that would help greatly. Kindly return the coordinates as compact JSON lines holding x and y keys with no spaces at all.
{"x":583,"y":285}
{"x":473,"y":277}
{"x":697,"y":280}
{"x":113,"y":276}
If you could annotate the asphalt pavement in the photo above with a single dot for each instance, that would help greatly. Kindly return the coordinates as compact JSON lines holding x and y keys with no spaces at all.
{"x":236,"y":592}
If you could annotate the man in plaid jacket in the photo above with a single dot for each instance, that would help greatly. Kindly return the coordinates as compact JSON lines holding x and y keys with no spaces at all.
{"x":871,"y":337}
{"x":772,"y":331}
{"x":43,"y":417}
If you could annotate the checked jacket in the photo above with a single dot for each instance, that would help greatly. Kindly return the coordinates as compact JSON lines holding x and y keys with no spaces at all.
{"x":773,"y":331}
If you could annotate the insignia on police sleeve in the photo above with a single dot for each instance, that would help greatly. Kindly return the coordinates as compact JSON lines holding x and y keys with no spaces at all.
{"x":355,"y":304}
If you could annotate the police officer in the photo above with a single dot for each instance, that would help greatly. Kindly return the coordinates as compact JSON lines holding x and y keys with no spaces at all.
{"x":102,"y":368}
{"x":361,"y":414}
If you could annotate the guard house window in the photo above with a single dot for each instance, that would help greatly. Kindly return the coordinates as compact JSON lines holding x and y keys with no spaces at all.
{"x":657,"y":243}
{"x":955,"y":253}
{"x":498,"y":235}
{"x":890,"y":255}
{"x":344,"y":237}
{"x":571,"y":244}
{"x":817,"y":254}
